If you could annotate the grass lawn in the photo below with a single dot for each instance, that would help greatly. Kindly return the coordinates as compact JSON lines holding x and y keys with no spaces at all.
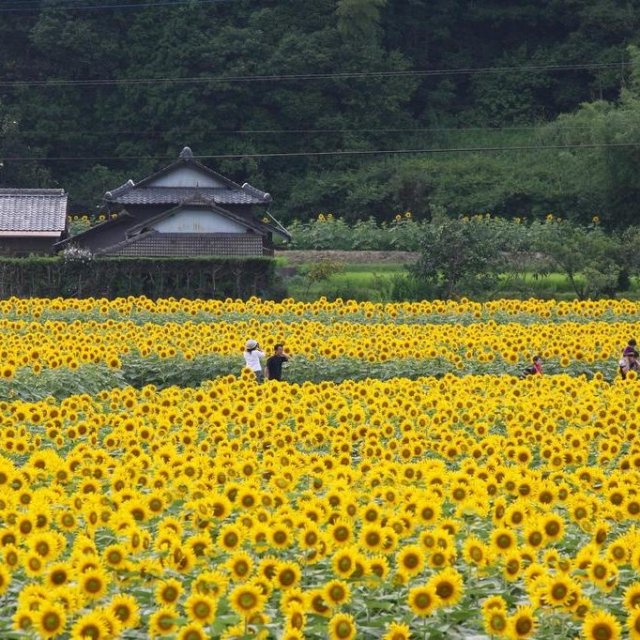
{"x":374,"y":281}
{"x":357,"y":281}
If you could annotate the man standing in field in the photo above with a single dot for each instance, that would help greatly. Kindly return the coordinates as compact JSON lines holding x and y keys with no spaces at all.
{"x":274,"y":363}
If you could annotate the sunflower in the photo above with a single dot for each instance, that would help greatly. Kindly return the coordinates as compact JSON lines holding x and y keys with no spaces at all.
{"x":448,"y":587}
{"x":309,"y":536}
{"x":50,"y":620}
{"x":512,"y":566}
{"x":410,"y":561}
{"x":342,"y":627}
{"x":423,"y":600}
{"x":115,"y":555}
{"x":534,"y":534}
{"x":168,"y":592}
{"x":201,"y":608}
{"x":58,"y":575}
{"x":90,"y":625}
{"x":230,"y":537}
{"x":379,"y":567}
{"x":336,"y":592}
{"x":280,"y":536}
{"x":246,"y":599}
{"x":372,"y":537}
{"x":10,"y":556}
{"x":502,"y":539}
{"x":193,"y":631}
{"x":557,"y":590}
{"x":240,"y":564}
{"x":553,"y":526}
{"x":341,"y":532}
{"x":522,"y":624}
{"x":397,"y":631}
{"x":23,"y":619}
{"x":603,"y":574}
{"x":633,"y":624}
{"x":287,"y":575}
{"x":475,"y":551}
{"x":291,"y":633}
{"x":125,"y":607}
{"x":495,"y":621}
{"x":632,"y":596}
{"x":163,"y":622}
{"x":317,"y":603}
{"x":344,"y":562}
{"x":93,"y":584}
{"x":600,"y":625}
{"x":5,"y":579}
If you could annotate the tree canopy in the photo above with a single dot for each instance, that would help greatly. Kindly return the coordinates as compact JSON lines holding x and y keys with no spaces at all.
{"x":301,"y":98}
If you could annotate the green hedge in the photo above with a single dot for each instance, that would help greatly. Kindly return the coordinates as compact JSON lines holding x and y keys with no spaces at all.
{"x":50,"y":277}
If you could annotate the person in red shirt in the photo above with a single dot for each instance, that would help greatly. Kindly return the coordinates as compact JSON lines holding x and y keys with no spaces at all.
{"x":535,"y":369}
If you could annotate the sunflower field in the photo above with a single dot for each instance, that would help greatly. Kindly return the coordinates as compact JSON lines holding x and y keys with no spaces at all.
{"x":402,"y":482}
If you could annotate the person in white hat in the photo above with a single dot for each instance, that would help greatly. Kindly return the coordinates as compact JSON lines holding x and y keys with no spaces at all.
{"x":252,"y":355}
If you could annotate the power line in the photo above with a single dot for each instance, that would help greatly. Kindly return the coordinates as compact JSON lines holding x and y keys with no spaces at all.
{"x":346,"y":75}
{"x":355,"y":152}
{"x":35,"y":6}
{"x":157,"y":133}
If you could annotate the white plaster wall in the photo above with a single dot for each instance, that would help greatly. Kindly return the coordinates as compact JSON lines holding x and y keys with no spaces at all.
{"x":198,"y":221}
{"x":186,"y":177}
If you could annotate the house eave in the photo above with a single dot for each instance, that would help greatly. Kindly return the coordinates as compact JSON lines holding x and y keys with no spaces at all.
{"x":30,"y":234}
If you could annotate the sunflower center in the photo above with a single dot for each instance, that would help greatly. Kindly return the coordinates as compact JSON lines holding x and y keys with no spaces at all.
{"x":498,"y":623}
{"x":170,"y":594}
{"x":504,"y":541}
{"x":411,"y":561}
{"x":524,"y":626}
{"x":341,"y":534}
{"x":476,"y":554}
{"x":602,"y":631}
{"x":559,"y":592}
{"x":337,"y":593}
{"x":58,"y":577}
{"x":423,"y":600}
{"x":445,"y":590}
{"x":123,"y":613}
{"x":535,"y":539}
{"x":599,"y":571}
{"x":90,"y":631}
{"x":247,"y":600}
{"x":93,"y":585}
{"x":51,"y":621}
{"x":287,"y":577}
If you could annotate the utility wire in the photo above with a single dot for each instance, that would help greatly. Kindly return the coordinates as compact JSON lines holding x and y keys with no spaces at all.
{"x":36,"y":6}
{"x":158,"y":133}
{"x":356,"y":152}
{"x":470,"y":71}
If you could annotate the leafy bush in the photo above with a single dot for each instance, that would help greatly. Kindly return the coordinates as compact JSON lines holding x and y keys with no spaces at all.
{"x":78,"y":274}
{"x":329,"y":232}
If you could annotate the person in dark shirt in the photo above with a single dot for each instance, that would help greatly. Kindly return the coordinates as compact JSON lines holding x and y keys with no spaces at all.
{"x":274,"y":363}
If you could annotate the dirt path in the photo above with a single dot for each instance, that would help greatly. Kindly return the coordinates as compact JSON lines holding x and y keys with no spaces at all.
{"x":349,"y":257}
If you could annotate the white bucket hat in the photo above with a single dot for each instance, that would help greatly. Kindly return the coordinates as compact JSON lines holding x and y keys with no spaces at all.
{"x":250,"y":344}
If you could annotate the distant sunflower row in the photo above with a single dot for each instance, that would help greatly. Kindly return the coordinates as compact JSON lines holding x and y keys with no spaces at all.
{"x":55,"y":344}
{"x":410,"y":312}
{"x":304,"y":511}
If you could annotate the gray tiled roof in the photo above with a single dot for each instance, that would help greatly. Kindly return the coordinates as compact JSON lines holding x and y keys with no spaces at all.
{"x":32,"y":210}
{"x":176,"y":195}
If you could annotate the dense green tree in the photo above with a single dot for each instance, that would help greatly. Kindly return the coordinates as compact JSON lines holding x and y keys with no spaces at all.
{"x":474,"y":69}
